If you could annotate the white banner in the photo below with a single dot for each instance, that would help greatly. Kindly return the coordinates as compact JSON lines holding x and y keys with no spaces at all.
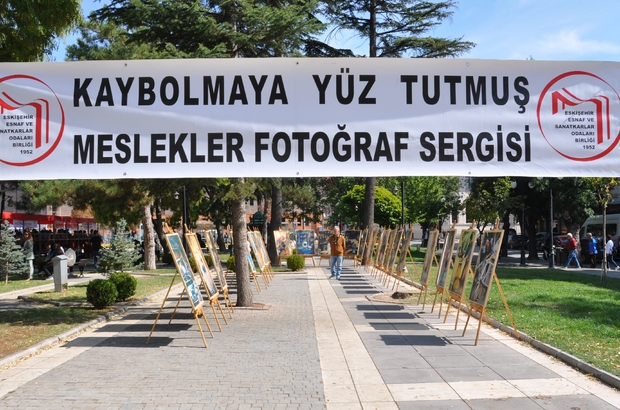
{"x":308,"y":117}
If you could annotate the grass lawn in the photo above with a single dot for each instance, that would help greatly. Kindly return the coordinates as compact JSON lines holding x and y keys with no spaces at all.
{"x":23,"y":328}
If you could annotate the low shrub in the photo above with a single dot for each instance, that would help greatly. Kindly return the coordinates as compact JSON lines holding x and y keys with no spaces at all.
{"x":193,"y":264}
{"x":231,"y":265}
{"x":296,"y":262}
{"x":167,"y":259}
{"x":101,"y":293}
{"x":209,"y":260}
{"x":125,"y":284}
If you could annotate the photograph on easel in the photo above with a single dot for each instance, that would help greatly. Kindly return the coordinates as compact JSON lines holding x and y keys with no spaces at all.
{"x":446,"y":258}
{"x":462,"y":263}
{"x":305,"y":242}
{"x":323,"y":237}
{"x":401,"y":265}
{"x":487,"y":262}
{"x":182,"y":263}
{"x":201,"y":263}
{"x":428,"y":257}
{"x":352,"y":240}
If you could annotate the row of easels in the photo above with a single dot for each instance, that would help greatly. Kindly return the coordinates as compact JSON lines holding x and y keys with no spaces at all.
{"x":191,"y":287}
{"x":384,"y":249}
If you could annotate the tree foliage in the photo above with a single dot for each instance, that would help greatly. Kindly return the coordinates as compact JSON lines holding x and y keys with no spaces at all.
{"x":397,"y":28}
{"x":122,"y":254}
{"x":387,"y":207}
{"x":11,"y":255}
{"x":29,"y":29}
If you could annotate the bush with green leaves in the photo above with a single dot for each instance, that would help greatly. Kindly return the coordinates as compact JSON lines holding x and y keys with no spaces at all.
{"x":125,"y":284}
{"x":167,"y":259}
{"x":122,"y":253}
{"x":101,"y":293}
{"x":11,"y":255}
{"x":296,"y":262}
{"x":230,"y":264}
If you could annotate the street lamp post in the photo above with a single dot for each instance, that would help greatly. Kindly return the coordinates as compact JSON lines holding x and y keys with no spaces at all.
{"x":514,"y":185}
{"x":551,"y":247}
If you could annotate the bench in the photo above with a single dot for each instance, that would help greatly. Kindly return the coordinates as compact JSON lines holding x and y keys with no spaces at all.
{"x":80,"y":266}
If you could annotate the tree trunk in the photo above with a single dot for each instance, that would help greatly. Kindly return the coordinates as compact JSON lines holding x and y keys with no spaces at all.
{"x":159,"y":226}
{"x":149,"y":238}
{"x":266,"y":205}
{"x":369,"y":203}
{"x":276,"y":221}
{"x":506,"y":227}
{"x":220,"y":236}
{"x":531,"y":245}
{"x":240,"y":240}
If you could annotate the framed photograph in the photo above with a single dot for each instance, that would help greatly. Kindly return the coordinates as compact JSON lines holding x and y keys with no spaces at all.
{"x":394,"y":246}
{"x":323,"y":238}
{"x":446,"y":258}
{"x":252,"y":239}
{"x":201,"y":262}
{"x":401,"y":265}
{"x":431,"y":247}
{"x":352,"y":242}
{"x":305,"y":242}
{"x":182,"y":263}
{"x":487,"y":262}
{"x":217,"y":264}
{"x":462,"y":263}
{"x":283,"y":244}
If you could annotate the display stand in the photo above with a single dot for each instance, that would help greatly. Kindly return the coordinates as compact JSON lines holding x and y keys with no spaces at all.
{"x":485,"y":270}
{"x":429,"y":258}
{"x":445,"y":265}
{"x":401,"y":266}
{"x":220,"y":274}
{"x":206,"y":277}
{"x":462,"y":267}
{"x":193,"y":292}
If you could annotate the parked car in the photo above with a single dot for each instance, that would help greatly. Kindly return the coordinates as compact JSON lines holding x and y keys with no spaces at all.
{"x":518,"y":241}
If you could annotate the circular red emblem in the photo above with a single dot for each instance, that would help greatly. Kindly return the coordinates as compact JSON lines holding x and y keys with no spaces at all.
{"x":578,"y":116}
{"x":32,"y":120}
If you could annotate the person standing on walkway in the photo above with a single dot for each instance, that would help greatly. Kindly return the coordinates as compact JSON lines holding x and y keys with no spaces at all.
{"x":571,"y":247}
{"x":29,"y":254}
{"x":96,"y":241}
{"x":592,"y":249}
{"x":609,"y":251}
{"x":337,"y":245}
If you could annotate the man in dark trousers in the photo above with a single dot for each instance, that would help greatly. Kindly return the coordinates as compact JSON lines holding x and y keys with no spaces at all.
{"x":96,"y":242}
{"x":336,"y":245}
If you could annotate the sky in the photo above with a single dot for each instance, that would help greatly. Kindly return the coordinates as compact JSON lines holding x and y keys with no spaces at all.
{"x":562,"y":30}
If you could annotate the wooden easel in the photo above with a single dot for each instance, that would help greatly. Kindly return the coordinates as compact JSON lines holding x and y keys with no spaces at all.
{"x":206,"y":278}
{"x":478,"y":300}
{"x":430,"y":257}
{"x":220,"y":274}
{"x":448,"y":250}
{"x":401,"y":266}
{"x":182,"y":263}
{"x":454,"y":295}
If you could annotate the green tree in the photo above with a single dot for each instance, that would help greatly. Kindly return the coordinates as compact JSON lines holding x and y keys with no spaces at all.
{"x":431,"y":199}
{"x":602,"y":189}
{"x":122,"y":254}
{"x":29,"y":29}
{"x":394,"y":28}
{"x":11,"y":255}
{"x":387,"y":207}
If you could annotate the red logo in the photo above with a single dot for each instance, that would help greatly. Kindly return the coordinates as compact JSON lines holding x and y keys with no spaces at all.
{"x":578,"y":116}
{"x":32,"y":120}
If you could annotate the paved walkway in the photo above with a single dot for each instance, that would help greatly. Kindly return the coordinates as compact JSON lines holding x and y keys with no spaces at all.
{"x":317,"y":343}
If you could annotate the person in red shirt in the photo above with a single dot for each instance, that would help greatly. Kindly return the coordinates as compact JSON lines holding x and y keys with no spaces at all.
{"x":571,"y":247}
{"x":337,"y":245}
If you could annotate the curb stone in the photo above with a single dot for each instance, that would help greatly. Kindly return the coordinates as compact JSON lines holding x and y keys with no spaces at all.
{"x":10,"y":360}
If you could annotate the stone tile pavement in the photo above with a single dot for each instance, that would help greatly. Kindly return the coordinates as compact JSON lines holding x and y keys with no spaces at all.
{"x":317,"y":343}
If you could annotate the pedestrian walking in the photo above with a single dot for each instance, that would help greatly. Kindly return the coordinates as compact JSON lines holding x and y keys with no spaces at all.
{"x":337,"y":246}
{"x":609,"y":251}
{"x":592,"y":249}
{"x":571,"y":247}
